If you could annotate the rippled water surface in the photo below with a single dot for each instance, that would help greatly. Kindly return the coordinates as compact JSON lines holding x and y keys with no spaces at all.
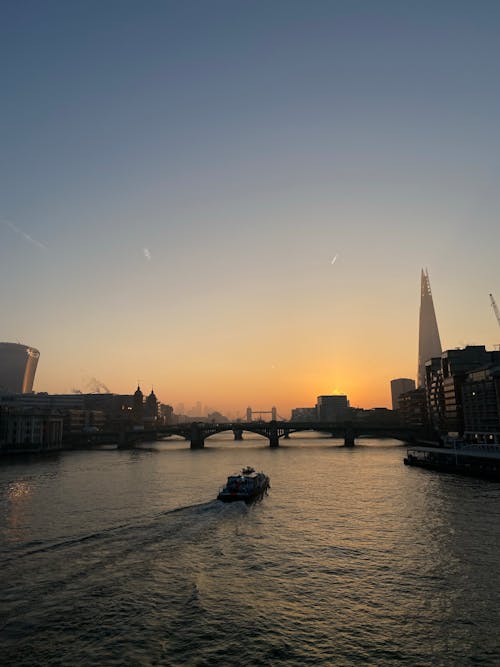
{"x":124,"y":558}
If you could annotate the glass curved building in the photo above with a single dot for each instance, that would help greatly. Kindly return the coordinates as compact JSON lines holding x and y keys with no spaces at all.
{"x":17,"y":367}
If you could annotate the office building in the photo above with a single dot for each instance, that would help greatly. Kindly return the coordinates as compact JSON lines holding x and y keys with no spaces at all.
{"x":481,"y":405}
{"x":434,"y":394}
{"x":412,"y":408}
{"x":400,"y":386}
{"x":17,"y":367}
{"x":445,"y":378}
{"x":332,"y":408}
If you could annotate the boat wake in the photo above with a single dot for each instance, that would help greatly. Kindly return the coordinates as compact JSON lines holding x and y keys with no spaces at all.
{"x":142,"y":524}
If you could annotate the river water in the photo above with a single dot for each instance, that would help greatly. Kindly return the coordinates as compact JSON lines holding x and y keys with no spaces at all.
{"x":124,"y":558}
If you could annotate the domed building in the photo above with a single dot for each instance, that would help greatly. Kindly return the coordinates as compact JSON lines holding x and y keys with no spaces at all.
{"x":151,"y":408}
{"x":138,"y":406}
{"x":144,"y":411}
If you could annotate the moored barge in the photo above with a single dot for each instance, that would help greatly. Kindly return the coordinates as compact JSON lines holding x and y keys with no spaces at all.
{"x":471,"y":460}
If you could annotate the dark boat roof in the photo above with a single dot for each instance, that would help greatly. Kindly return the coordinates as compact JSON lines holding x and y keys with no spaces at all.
{"x":239,"y":475}
{"x":247,"y":471}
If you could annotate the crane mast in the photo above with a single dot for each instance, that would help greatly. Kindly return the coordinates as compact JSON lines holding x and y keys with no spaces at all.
{"x":495,"y":309}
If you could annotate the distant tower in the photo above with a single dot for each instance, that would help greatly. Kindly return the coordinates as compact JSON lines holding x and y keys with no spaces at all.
{"x":138,"y":406}
{"x":429,"y":343}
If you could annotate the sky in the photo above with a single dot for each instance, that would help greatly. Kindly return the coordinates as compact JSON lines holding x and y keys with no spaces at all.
{"x":231,"y":202}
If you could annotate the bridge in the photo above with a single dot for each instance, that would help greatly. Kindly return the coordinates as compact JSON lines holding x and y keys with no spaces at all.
{"x":198,"y":432}
{"x":273,"y":412}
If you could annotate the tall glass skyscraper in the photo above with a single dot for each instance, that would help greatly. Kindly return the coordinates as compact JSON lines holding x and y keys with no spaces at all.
{"x":17,"y":367}
{"x":429,"y":343}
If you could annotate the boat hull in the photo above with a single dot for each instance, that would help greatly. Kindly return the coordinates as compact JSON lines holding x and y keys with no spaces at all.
{"x":236,"y":497}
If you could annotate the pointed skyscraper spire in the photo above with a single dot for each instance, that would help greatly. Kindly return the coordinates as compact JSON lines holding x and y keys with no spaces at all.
{"x":429,"y":343}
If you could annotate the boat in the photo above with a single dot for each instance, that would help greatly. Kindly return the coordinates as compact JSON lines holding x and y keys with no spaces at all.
{"x":246,"y":485}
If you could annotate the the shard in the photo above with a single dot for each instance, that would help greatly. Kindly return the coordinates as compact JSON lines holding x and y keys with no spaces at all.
{"x":429,"y":343}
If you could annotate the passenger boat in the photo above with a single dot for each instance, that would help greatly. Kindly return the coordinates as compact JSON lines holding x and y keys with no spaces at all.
{"x":246,"y":485}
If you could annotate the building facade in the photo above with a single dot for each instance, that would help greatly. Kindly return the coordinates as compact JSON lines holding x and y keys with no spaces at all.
{"x":400,"y":386}
{"x":435,"y":394}
{"x":446,"y":376}
{"x":29,"y":430}
{"x":481,"y":405}
{"x":332,"y":408}
{"x":304,"y":415}
{"x":412,"y":408}
{"x":80,"y":413}
{"x":17,"y":367}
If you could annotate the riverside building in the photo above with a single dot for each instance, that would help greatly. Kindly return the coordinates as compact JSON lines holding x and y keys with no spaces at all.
{"x":481,"y":405}
{"x":412,"y":408}
{"x":446,"y":378}
{"x":27,"y":430}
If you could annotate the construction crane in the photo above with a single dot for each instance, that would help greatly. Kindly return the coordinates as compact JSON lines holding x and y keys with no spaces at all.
{"x":495,"y":309}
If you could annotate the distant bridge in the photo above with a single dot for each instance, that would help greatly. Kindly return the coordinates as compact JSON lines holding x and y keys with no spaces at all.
{"x":198,"y":432}
{"x":251,"y":412}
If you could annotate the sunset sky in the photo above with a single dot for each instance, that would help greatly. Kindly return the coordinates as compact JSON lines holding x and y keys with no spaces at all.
{"x":232,"y":201}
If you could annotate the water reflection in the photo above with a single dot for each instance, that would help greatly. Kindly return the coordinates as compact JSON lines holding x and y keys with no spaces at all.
{"x":18,"y":499}
{"x":18,"y":490}
{"x":353,"y":558}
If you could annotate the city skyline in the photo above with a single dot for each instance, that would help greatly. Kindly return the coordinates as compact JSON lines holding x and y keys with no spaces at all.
{"x":234,"y":202}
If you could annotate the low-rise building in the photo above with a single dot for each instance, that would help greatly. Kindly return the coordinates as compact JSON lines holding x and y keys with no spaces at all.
{"x":30,"y":430}
{"x":80,"y":412}
{"x":304,"y":415}
{"x":378,"y":416}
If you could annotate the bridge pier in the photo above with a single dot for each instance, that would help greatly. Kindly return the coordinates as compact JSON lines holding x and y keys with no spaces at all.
{"x":349,"y":438}
{"x":238,"y":433}
{"x":274,"y":441}
{"x":197,"y":436}
{"x":272,"y":434}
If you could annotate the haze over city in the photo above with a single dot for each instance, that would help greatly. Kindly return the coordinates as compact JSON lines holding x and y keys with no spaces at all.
{"x":232,"y":202}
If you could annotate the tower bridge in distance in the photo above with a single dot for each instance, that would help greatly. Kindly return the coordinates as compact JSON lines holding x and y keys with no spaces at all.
{"x":198,"y":432}
{"x":273,"y":412}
